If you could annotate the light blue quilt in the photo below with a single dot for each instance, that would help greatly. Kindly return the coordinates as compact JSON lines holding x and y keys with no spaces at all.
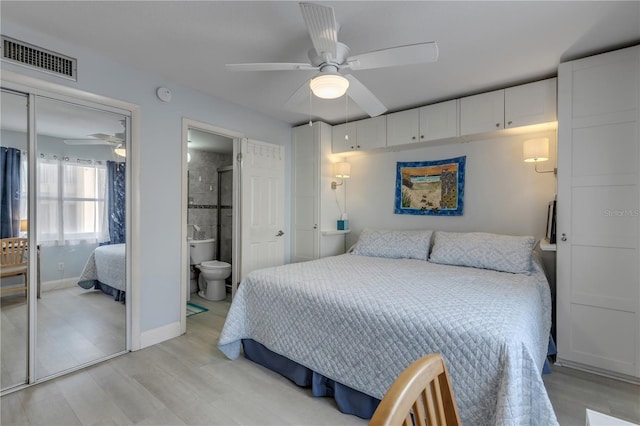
{"x":362,"y":320}
{"x":106,"y":265}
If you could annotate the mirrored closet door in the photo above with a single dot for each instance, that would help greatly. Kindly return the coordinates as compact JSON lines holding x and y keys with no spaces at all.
{"x":81,"y":234}
{"x":14,"y":309}
{"x":73,"y":310}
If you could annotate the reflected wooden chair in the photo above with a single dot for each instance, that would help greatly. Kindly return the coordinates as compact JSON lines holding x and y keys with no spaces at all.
{"x":13,"y":262}
{"x":421,"y":395}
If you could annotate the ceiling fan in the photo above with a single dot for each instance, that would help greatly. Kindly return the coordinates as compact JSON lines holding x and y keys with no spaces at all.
{"x":331,"y":58}
{"x":98,"y":139}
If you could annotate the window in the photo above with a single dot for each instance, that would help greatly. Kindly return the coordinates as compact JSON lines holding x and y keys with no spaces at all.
{"x":71,"y":201}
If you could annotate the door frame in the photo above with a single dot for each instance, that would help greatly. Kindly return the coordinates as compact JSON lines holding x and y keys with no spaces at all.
{"x":187,"y":124}
{"x":35,"y":87}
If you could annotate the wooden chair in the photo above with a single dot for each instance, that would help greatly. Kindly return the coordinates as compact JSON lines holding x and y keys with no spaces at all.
{"x":13,"y":262}
{"x":421,"y":395}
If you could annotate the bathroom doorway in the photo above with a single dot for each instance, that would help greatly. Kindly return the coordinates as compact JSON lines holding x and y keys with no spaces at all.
{"x":209,"y":215}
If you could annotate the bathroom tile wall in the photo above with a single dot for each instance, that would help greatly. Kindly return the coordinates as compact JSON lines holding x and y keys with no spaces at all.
{"x":226,"y":216}
{"x":203,"y":194}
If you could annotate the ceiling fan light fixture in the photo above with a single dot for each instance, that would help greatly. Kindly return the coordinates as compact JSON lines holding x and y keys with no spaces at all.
{"x":120,"y":151}
{"x":329,"y":86}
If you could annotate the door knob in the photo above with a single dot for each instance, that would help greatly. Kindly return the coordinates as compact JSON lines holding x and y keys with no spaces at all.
{"x":280,"y":233}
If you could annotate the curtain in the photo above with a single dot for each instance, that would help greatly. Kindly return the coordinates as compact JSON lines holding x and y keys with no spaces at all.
{"x":116,"y":201}
{"x":10,"y":187}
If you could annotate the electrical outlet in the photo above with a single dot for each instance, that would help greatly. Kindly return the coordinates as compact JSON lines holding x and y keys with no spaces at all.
{"x":61,"y":266}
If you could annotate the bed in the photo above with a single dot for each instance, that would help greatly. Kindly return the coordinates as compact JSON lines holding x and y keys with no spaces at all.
{"x":357,"y":320}
{"x":105,"y":270}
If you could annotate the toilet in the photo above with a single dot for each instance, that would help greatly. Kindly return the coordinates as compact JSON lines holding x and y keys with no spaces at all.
{"x":213,"y":273}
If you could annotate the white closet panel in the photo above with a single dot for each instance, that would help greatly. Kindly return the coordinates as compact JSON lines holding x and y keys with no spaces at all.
{"x":598,"y":296}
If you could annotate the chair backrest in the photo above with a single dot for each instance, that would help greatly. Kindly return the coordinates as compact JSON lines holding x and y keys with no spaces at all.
{"x":13,"y":251}
{"x":421,"y":395}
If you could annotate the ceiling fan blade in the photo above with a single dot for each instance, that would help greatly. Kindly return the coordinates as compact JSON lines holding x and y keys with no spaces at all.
{"x":275,"y":66}
{"x":88,"y":142}
{"x":364,"y":98}
{"x":303,"y":93}
{"x":402,"y":55}
{"x":323,"y":29}
{"x":111,"y":139}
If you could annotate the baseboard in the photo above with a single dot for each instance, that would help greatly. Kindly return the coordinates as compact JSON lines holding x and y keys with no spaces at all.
{"x":599,"y":371}
{"x":58,"y":284}
{"x":160,"y":334}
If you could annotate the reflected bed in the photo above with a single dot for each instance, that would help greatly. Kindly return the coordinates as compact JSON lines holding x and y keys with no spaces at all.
{"x":105,"y":270}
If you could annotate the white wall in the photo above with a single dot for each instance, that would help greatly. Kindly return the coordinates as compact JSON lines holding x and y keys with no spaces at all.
{"x":160,"y":162}
{"x":503,"y":194}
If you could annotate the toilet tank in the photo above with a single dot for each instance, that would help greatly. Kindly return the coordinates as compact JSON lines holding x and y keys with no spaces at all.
{"x":201,"y":251}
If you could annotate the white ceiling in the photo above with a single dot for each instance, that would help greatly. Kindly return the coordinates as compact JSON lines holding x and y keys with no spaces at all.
{"x":483,"y":45}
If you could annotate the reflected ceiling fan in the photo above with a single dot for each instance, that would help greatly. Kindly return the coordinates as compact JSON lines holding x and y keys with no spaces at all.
{"x":98,"y":139}
{"x":331,"y":58}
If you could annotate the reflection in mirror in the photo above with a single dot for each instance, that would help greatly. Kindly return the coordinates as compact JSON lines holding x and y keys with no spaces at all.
{"x":80,"y":209}
{"x":14,"y":312}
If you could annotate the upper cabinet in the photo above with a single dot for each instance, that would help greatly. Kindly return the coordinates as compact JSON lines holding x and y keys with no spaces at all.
{"x":403,"y":127}
{"x":367,"y":134}
{"x":427,"y":123}
{"x":482,"y":114}
{"x":531,"y":103}
{"x":517,"y":106}
{"x":439,"y":121}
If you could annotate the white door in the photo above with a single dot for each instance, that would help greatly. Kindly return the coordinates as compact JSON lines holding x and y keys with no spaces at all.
{"x":262,"y":206}
{"x":598,"y":205}
{"x":305,"y":217}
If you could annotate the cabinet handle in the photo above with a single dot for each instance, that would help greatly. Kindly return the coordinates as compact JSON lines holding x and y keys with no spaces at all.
{"x":563,"y":237}
{"x":421,"y":136}
{"x":497,"y":124}
{"x":280,"y":233}
{"x":509,"y":123}
{"x":413,"y":138}
{"x":358,"y":146}
{"x":315,"y":226}
{"x":351,"y":146}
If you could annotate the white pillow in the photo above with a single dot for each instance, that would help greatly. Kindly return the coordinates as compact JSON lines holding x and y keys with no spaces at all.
{"x":394,"y":244}
{"x":504,"y":253}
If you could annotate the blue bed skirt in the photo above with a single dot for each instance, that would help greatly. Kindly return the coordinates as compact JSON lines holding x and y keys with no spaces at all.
{"x":348,"y":400}
{"x":118,"y":295}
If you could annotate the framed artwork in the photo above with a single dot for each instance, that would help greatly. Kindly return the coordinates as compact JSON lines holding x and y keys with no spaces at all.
{"x":430,"y":187}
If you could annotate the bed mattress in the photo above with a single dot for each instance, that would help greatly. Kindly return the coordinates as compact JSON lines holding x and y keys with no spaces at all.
{"x":362,"y":320}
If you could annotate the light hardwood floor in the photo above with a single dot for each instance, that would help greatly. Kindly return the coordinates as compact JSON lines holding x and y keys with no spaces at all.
{"x":75,"y":326}
{"x":186,"y":380}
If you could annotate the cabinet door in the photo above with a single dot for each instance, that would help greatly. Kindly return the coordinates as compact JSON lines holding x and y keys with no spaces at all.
{"x":598,"y":198}
{"x":344,"y":138}
{"x":439,"y":121}
{"x":305,"y":193}
{"x":403,"y":127}
{"x":482,"y":113}
{"x":371,"y":133}
{"x":531,"y":103}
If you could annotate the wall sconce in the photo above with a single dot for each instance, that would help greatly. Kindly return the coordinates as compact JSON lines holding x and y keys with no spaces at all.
{"x":536,"y":150}
{"x":341,"y":170}
{"x":24,"y":225}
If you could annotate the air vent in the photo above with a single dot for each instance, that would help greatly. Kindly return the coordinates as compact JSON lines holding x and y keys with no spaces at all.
{"x":37,"y":58}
